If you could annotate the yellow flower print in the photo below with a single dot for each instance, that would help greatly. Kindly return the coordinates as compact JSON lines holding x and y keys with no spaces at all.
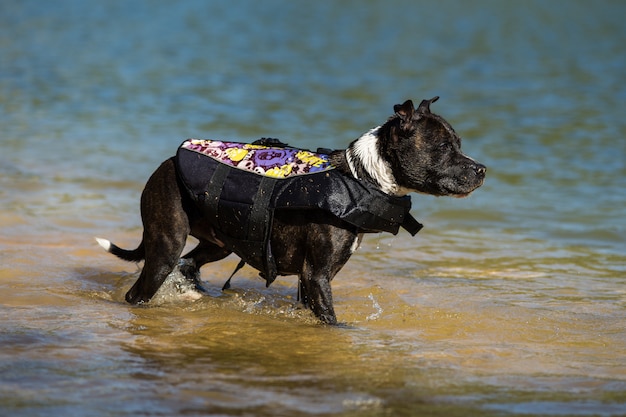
{"x":279,"y":172}
{"x":310,"y":158}
{"x":236,"y":154}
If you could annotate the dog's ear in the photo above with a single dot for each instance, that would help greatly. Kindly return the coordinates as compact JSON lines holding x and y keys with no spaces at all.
{"x":405,"y":110}
{"x":424,"y":107}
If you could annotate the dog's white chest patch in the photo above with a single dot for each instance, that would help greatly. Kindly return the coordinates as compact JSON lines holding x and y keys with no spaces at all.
{"x":364,"y":151}
{"x":356,"y":244}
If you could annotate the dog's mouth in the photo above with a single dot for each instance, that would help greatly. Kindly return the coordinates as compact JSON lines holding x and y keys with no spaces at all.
{"x":460,"y":180}
{"x":462,"y":190}
{"x":458,"y":194}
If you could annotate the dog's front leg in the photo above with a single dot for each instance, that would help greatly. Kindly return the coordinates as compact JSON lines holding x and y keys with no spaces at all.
{"x":328,"y":248}
{"x":316,"y":294}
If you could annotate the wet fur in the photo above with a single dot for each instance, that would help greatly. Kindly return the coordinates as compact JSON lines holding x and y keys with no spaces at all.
{"x":413,"y":151}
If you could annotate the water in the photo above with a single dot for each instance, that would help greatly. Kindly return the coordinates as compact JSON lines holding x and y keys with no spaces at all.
{"x":510,"y":302}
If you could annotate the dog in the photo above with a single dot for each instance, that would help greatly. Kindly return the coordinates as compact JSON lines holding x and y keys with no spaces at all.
{"x":414,"y":151}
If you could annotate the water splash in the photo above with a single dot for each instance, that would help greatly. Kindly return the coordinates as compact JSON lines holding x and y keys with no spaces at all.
{"x":379,"y":310}
{"x":384,"y":242}
{"x":177,"y":287}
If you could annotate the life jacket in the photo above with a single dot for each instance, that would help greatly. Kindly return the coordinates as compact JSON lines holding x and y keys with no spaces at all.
{"x":238,"y":186}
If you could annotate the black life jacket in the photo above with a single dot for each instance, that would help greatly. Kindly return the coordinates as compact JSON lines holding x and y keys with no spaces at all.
{"x":237,"y":187}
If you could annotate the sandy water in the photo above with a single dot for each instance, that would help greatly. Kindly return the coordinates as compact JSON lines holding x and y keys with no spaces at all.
{"x":510,"y":302}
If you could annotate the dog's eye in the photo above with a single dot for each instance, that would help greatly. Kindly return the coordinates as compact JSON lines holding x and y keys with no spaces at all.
{"x":445,"y":145}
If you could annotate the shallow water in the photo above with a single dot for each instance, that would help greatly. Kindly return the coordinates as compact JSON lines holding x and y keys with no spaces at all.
{"x":509,"y":302}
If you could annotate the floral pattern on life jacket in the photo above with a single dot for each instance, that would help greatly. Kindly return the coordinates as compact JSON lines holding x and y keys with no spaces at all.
{"x":275,"y":162}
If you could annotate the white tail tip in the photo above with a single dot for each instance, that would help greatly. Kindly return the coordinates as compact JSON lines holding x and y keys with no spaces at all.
{"x":104,"y":243}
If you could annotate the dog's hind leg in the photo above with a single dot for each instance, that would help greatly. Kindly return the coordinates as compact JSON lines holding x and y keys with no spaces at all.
{"x":203,"y":253}
{"x":166,"y":227}
{"x":161,"y":259}
{"x":206,"y":252}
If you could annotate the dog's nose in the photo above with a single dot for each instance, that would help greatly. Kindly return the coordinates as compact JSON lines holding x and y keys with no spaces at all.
{"x":480,"y":169}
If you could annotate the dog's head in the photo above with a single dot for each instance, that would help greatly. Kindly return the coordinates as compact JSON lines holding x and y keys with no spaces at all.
{"x":425,"y":154}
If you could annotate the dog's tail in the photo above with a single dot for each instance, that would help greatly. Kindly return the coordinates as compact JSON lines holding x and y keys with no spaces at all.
{"x":127,"y":255}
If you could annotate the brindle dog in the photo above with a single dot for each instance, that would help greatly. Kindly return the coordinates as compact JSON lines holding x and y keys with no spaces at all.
{"x":413,"y":151}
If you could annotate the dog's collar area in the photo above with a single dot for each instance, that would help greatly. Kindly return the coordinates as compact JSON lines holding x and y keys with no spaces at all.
{"x":366,"y":164}
{"x":350,"y":163}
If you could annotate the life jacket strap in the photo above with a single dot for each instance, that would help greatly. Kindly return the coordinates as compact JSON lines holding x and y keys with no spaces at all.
{"x":237,"y":268}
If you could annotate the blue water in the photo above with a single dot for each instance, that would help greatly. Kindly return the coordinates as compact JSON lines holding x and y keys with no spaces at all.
{"x":510,"y":302}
